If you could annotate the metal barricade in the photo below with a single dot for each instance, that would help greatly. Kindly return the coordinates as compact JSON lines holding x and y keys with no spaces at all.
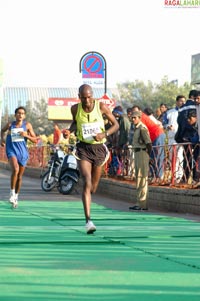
{"x":170,"y":165}
{"x":178,"y":166}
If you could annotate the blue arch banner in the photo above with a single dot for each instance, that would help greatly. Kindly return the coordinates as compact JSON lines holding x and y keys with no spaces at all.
{"x":93,"y":65}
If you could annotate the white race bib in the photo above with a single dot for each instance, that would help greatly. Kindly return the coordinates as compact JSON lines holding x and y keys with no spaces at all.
{"x":15,"y":135}
{"x":89,"y":130}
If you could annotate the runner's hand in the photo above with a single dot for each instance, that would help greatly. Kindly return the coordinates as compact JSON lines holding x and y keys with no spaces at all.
{"x":66,"y":133}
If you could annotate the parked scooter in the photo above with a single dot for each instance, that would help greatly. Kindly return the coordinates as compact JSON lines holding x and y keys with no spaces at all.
{"x":62,"y":171}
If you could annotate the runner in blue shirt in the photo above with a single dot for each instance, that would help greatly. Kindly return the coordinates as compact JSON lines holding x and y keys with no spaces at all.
{"x":18,"y":132}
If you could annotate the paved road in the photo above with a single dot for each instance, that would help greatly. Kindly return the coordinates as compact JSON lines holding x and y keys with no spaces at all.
{"x":31,"y":191}
{"x":46,"y":255}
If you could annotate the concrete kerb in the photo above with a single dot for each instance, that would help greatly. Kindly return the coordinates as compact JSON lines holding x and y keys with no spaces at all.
{"x":163,"y":198}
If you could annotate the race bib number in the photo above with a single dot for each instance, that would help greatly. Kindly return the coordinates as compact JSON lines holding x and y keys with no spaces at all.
{"x":15,"y":135}
{"x":89,"y":130}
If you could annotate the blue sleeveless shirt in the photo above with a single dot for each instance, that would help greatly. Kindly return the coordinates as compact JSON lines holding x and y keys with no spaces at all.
{"x":16,"y":144}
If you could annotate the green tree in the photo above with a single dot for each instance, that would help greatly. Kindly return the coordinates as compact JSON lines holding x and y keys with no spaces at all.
{"x":151,"y":95}
{"x":37,"y":115}
{"x":136,"y":93}
{"x":6,"y":117}
{"x":165,"y":92}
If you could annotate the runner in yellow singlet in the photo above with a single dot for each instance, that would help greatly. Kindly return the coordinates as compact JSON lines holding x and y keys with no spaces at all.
{"x":91,"y":151}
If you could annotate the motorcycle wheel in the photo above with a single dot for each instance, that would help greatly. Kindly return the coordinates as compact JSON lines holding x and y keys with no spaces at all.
{"x":66,"y":185}
{"x":48,"y":185}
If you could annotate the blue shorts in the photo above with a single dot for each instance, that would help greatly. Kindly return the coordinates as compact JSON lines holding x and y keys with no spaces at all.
{"x":21,"y":159}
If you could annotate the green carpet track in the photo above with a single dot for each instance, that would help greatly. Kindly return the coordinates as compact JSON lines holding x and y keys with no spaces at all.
{"x":45,"y":254}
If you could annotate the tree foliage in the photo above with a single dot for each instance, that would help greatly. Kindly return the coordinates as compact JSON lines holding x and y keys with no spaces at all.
{"x":131,"y":93}
{"x":150,"y":94}
{"x":6,"y":117}
{"x":37,"y":115}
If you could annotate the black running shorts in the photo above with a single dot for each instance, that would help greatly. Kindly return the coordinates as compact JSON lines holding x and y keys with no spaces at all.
{"x":96,"y":154}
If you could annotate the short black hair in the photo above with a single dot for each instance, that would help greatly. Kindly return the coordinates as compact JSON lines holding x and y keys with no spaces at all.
{"x":148,"y":111}
{"x":164,"y":104}
{"x":193,"y":93}
{"x":192,"y":113}
{"x":136,"y":107}
{"x":179,"y":96}
{"x":20,"y":108}
{"x":129,"y":110}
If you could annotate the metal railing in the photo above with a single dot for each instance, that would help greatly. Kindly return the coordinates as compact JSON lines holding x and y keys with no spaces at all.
{"x":173,"y":165}
{"x":38,"y":156}
{"x":176,"y":165}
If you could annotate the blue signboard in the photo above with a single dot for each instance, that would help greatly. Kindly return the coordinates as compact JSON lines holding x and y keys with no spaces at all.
{"x":93,"y":66}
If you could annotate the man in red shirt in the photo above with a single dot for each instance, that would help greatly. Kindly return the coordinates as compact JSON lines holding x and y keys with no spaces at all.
{"x":57,"y":134}
{"x":157,"y":136}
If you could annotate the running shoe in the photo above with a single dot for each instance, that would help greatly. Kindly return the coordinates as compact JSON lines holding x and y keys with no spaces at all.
{"x":12,"y":199}
{"x":15,"y":204}
{"x":90,"y":227}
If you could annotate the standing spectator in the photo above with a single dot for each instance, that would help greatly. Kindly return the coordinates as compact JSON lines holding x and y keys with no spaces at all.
{"x":122,"y":139}
{"x":149,"y":112}
{"x":129,"y":113}
{"x":57,"y":134}
{"x":124,"y":126}
{"x":171,"y":127}
{"x":163,"y":110}
{"x":130,"y":153}
{"x":197,"y":101}
{"x":182,"y":120}
{"x":193,"y":137}
{"x":157,"y":113}
{"x":142,"y":148}
{"x":157,"y":136}
{"x":16,"y":150}
{"x":185,"y":128}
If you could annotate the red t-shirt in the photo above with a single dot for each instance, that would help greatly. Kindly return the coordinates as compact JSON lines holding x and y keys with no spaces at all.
{"x":56,"y":136}
{"x":154,"y":129}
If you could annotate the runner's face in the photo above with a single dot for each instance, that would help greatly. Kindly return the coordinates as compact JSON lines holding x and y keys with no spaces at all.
{"x":86,"y":98}
{"x":20,"y":115}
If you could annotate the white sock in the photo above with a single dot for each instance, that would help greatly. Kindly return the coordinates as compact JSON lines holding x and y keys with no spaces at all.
{"x":12,"y":191}
{"x":16,"y":196}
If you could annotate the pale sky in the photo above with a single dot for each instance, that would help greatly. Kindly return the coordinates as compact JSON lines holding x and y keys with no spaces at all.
{"x":42,"y":41}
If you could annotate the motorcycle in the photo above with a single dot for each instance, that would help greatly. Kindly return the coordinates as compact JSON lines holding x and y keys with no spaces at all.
{"x":62,"y":171}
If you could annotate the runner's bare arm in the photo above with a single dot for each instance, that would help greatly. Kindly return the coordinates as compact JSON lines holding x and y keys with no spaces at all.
{"x":115,"y":126}
{"x":72,"y":128}
{"x":74,"y":109}
{"x":30,"y":134}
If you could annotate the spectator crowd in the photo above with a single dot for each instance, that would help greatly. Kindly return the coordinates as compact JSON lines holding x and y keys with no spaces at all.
{"x":174,"y":133}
